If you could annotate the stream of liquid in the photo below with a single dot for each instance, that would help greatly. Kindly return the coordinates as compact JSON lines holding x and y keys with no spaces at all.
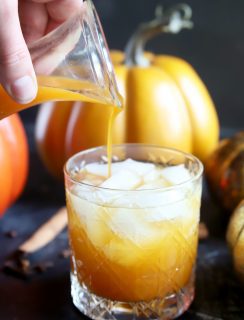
{"x":115,"y":111}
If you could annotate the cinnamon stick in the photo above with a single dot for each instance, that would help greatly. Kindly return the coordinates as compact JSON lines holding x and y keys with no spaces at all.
{"x":47,"y":232}
{"x":203,"y":231}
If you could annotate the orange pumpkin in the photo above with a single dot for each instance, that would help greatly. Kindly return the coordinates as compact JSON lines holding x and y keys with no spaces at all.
{"x":166,"y":104}
{"x":13,"y":160}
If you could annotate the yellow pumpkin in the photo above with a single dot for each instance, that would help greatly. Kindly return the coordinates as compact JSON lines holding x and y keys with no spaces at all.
{"x":166,"y":103}
{"x":235,"y":239}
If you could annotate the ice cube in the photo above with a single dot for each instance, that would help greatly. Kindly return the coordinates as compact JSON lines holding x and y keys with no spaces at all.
{"x":128,"y":224}
{"x":123,"y":180}
{"x":176,"y":174}
{"x":81,"y":206}
{"x":152,"y":175}
{"x":93,"y":218}
{"x":123,"y":253}
{"x":98,"y":169}
{"x":141,"y":168}
{"x":156,"y":184}
{"x":96,"y":228}
{"x":157,"y":198}
{"x":169,"y":211}
{"x":138,"y":167}
{"x":93,"y":180}
{"x":101,"y":169}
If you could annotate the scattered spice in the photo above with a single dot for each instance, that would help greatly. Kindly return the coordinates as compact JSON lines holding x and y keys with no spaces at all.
{"x":24,"y":264}
{"x":65,"y":253}
{"x":203,"y":231}
{"x":22,"y":267}
{"x":10,"y":267}
{"x":43,"y":266}
{"x":11,"y":234}
{"x":20,"y":263}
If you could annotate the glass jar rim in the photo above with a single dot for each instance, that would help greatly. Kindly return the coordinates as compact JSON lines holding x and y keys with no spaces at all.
{"x":135,"y":145}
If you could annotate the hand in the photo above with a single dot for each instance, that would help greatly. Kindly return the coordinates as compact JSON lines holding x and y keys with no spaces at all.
{"x":22,"y":22}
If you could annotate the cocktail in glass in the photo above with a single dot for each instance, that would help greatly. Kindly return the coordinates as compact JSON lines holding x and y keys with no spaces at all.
{"x":133,"y":235}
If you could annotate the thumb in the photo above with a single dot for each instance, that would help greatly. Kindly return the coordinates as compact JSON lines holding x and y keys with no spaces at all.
{"x":17,"y":74}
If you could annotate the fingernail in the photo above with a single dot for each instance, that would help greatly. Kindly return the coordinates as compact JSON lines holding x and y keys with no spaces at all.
{"x":24,"y":89}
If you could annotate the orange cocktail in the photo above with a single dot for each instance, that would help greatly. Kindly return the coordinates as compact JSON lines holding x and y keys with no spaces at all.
{"x":134,"y":234}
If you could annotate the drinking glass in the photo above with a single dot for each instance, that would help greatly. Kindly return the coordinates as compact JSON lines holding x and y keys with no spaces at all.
{"x":133,"y":252}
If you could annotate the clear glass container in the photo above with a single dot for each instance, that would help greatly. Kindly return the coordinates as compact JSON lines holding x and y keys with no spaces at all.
{"x":133,"y":252}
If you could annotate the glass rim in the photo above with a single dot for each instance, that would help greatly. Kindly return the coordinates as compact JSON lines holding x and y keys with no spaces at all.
{"x":137,"y":145}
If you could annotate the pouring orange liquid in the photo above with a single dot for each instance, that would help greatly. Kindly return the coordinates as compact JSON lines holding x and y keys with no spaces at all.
{"x":62,"y":89}
{"x":53,"y":89}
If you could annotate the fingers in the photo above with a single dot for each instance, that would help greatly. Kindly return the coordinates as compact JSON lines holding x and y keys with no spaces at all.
{"x":34,"y":19}
{"x":61,"y":10}
{"x":38,"y":17}
{"x":16,"y":71}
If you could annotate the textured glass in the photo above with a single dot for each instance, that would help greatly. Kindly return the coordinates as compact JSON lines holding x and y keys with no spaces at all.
{"x":133,"y":252}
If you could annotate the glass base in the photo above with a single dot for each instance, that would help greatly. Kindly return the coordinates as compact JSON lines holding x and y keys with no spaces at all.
{"x":100,"y":308}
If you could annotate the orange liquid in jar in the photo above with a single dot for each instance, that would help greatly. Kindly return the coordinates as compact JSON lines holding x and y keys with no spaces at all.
{"x":61,"y":89}
{"x":55,"y":89}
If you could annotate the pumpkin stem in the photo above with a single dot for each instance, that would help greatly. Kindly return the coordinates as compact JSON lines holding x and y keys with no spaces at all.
{"x":171,"y":21}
